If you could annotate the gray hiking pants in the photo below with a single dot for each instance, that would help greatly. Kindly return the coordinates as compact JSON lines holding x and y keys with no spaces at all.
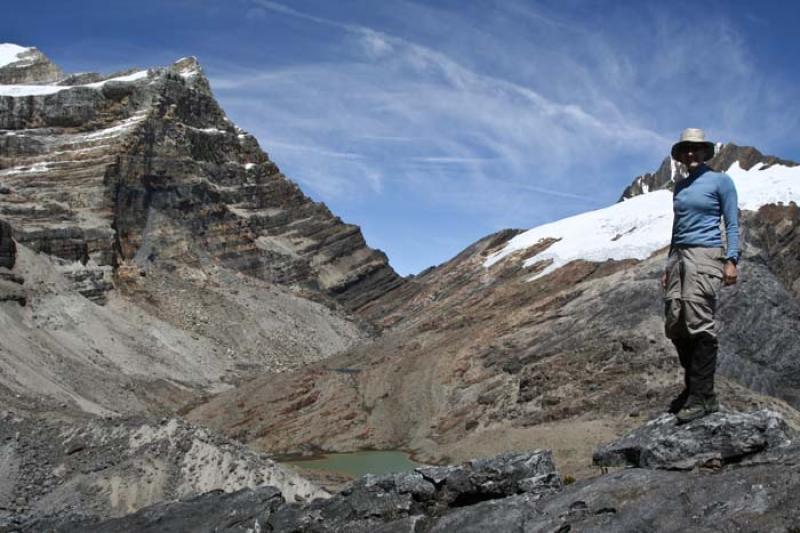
{"x":694,"y":279}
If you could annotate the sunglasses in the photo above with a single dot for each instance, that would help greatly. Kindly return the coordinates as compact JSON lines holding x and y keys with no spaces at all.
{"x":690,"y":147}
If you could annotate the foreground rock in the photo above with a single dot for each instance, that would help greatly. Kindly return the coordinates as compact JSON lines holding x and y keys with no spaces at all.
{"x":52,"y":472}
{"x":759,"y":491}
{"x":394,"y":502}
{"x":409,"y":500}
{"x":715,"y":440}
{"x":237,"y":512}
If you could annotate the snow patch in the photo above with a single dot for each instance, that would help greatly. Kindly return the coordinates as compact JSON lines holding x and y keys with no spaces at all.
{"x":42,"y":166}
{"x":774,"y":185}
{"x":113,"y":131}
{"x":38,"y":90}
{"x":214,"y":131}
{"x":636,"y":228}
{"x":9,"y":53}
{"x":631,"y":229}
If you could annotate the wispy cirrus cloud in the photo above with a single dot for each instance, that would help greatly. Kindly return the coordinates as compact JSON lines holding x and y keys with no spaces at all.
{"x":531,"y":115}
{"x":390,"y":87}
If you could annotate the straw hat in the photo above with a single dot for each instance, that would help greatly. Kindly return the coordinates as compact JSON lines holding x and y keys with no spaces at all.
{"x":694,"y":136}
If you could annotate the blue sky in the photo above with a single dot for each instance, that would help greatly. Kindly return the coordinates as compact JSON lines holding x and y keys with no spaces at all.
{"x":433,"y":123}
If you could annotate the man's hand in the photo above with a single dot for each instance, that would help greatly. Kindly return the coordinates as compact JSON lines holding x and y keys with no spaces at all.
{"x":729,"y":274}
{"x":664,"y":280}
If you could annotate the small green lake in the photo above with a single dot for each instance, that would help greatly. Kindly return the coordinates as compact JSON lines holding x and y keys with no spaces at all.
{"x":358,"y":463}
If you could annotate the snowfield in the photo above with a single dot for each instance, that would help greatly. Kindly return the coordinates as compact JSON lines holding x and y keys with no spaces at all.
{"x":9,"y":53}
{"x":33,"y":90}
{"x":637,"y":227}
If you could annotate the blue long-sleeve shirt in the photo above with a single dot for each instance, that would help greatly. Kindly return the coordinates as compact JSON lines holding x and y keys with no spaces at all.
{"x":698,"y":203}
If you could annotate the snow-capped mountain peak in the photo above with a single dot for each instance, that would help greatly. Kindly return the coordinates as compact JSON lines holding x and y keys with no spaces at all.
{"x":641,"y":225}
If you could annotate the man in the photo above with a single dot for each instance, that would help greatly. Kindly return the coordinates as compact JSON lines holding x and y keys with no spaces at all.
{"x":696,"y":268}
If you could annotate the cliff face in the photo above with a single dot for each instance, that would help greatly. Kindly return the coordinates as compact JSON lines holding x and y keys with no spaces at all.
{"x":135,"y":191}
{"x":122,"y":172}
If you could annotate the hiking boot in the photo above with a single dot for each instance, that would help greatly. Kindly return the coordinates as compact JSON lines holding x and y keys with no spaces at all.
{"x":678,"y":402}
{"x":695,"y":409}
{"x":712,"y":405}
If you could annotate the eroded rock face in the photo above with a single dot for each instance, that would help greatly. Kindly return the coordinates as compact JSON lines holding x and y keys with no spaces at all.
{"x":717,"y":439}
{"x":52,"y":472}
{"x":506,"y":355}
{"x":144,"y":166}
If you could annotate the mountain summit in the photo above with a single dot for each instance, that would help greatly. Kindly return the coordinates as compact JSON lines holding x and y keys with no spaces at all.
{"x":19,"y":64}
{"x":119,"y":171}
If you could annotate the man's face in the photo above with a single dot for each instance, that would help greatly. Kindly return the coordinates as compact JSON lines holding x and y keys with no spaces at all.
{"x":691,"y":155}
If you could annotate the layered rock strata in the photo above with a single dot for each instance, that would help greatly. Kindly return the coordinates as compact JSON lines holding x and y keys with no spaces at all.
{"x":144,"y":166}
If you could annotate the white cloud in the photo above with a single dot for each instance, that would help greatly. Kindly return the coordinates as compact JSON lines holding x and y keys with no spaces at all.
{"x":525,"y":116}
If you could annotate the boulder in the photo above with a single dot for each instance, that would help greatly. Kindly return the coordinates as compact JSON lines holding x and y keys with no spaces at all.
{"x":714,"y":440}
{"x":403,"y":501}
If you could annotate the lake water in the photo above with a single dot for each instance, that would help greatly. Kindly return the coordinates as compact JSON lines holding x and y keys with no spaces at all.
{"x":359,"y":463}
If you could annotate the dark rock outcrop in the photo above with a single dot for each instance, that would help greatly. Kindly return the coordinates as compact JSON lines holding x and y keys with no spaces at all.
{"x":10,"y":283}
{"x":8,"y":248}
{"x":715,"y":440}
{"x":375,"y":501}
{"x":775,"y":236}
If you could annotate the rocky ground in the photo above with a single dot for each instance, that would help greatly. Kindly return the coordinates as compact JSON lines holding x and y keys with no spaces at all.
{"x":729,"y":471}
{"x":147,"y":350}
{"x":483,"y":360}
{"x":107,"y":468}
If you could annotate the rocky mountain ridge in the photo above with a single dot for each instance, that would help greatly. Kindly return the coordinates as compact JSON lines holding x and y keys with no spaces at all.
{"x":117,"y":172}
{"x":133,"y":188}
{"x":726,"y":154}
